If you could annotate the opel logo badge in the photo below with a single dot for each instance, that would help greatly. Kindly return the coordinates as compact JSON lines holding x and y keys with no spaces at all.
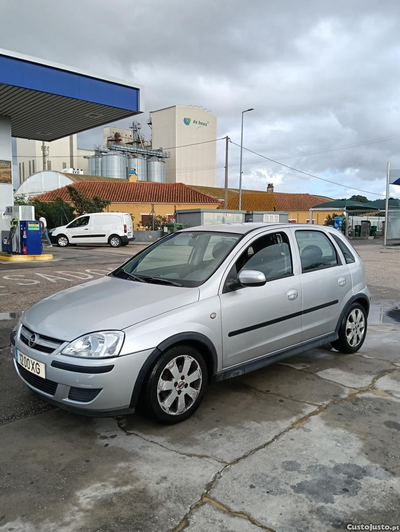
{"x":32,"y":340}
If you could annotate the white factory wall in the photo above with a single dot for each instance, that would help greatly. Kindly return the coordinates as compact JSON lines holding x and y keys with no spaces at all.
{"x":63,"y":153}
{"x":126,"y":134}
{"x":180,"y":125}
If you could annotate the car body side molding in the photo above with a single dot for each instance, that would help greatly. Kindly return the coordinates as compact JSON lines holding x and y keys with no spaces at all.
{"x":282,"y":318}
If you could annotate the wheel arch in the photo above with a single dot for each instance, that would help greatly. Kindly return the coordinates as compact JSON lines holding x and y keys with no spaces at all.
{"x":362,"y":299}
{"x":195,"y":340}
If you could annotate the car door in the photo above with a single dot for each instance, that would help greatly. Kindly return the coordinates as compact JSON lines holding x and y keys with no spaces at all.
{"x":261,"y":320}
{"x":78,"y":231}
{"x":326,"y":282}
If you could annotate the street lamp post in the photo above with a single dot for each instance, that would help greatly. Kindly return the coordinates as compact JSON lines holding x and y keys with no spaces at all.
{"x":241,"y":155}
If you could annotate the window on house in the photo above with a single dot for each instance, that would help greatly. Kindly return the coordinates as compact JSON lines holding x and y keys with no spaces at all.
{"x":33,"y":167}
{"x":48,"y":165}
{"x":64,"y":165}
{"x":30,"y":168}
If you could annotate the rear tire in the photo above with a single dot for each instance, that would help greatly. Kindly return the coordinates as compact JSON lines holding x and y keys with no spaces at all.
{"x":62,"y":241}
{"x":176,"y":385}
{"x":352,"y":330}
{"x":115,"y":241}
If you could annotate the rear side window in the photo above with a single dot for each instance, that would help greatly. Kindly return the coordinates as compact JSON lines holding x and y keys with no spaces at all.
{"x":348,"y":255}
{"x":316,"y":251}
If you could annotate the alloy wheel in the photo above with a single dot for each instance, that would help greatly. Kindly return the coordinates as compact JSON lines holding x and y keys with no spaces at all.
{"x":179,"y":385}
{"x":115,"y":242}
{"x":355,"y":327}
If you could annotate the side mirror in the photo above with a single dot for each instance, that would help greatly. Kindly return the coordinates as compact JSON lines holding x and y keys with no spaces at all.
{"x":251,"y":278}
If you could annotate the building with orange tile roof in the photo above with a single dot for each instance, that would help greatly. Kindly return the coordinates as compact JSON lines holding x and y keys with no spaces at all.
{"x":140,"y":199}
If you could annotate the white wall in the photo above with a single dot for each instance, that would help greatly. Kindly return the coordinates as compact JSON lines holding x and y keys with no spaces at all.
{"x":6,"y":190}
{"x":193,"y":165}
{"x":63,"y":153}
{"x":43,"y":182}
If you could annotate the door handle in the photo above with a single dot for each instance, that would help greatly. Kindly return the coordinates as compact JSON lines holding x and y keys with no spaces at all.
{"x":292,"y":295}
{"x":86,"y":229}
{"x":341,"y":281}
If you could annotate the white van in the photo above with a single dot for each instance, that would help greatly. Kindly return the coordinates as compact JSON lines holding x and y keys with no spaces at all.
{"x":113,"y":228}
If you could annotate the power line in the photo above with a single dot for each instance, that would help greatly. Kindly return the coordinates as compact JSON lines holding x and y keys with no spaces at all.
{"x":307,"y":173}
{"x":116,"y":151}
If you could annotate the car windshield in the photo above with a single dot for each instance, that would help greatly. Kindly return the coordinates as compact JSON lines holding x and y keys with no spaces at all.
{"x":182,"y":259}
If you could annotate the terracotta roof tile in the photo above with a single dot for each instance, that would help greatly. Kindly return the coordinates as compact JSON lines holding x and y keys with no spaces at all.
{"x":125,"y":192}
{"x":279,"y":201}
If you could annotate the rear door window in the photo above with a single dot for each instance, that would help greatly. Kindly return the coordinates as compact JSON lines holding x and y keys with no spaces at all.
{"x":348,"y":255}
{"x":316,"y":251}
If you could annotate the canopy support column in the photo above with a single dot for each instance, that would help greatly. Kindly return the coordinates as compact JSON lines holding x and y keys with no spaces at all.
{"x":6,"y":184}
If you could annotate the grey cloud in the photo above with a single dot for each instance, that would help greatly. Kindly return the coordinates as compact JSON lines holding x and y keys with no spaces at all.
{"x":319,"y":73}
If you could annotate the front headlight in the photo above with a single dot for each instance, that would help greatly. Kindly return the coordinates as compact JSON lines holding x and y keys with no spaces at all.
{"x":96,"y":345}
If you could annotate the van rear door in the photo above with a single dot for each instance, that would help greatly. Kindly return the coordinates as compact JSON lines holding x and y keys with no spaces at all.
{"x":129,"y":225}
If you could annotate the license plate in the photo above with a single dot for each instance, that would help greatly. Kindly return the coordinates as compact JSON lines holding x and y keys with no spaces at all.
{"x":31,"y":365}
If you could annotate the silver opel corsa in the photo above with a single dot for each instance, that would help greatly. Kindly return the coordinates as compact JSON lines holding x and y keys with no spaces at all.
{"x":204,"y":304}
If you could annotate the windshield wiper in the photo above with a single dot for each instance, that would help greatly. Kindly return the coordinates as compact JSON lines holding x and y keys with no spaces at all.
{"x":161,"y":280}
{"x":131,"y":276}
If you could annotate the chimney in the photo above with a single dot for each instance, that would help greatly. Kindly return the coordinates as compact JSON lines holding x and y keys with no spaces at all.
{"x":270,"y":188}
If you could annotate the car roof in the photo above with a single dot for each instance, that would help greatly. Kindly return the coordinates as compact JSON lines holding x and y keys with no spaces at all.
{"x":244,"y":228}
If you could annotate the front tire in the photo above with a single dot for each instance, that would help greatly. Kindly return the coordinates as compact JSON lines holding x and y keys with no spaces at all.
{"x":176,"y":385}
{"x":352,"y":330}
{"x":115,"y":241}
{"x":62,"y":241}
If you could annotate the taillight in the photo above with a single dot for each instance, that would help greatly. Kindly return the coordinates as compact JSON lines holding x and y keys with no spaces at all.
{"x":125,"y":229}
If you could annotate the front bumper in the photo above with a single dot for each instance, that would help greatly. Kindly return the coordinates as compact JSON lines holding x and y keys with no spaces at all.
{"x":92,"y":387}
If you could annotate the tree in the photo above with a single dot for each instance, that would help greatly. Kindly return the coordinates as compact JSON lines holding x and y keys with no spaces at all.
{"x":329,"y":219}
{"x":362,"y":199}
{"x":159,"y":221}
{"x":83,"y":204}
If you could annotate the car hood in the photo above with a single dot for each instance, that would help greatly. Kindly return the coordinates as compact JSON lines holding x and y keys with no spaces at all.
{"x":58,"y":229}
{"x":106,"y":303}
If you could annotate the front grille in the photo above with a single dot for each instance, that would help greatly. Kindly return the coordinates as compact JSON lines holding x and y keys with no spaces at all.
{"x":83,"y":395}
{"x":45,"y":385}
{"x":44,"y":344}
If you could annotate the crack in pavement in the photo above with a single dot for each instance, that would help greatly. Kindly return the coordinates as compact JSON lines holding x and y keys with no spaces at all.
{"x":189,"y":455}
{"x":205,"y":499}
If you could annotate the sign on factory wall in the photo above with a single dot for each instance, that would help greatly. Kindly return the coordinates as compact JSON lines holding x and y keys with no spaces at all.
{"x":5,"y":172}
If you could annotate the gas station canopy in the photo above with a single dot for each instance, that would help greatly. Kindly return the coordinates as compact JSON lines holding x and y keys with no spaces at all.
{"x":47,"y":101}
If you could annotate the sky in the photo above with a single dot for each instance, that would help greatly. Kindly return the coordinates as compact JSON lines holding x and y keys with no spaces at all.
{"x":323,"y":77}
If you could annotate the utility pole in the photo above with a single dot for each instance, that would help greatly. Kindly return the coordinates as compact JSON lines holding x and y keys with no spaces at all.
{"x":387,"y":203}
{"x":227,"y":140}
{"x":45,"y":151}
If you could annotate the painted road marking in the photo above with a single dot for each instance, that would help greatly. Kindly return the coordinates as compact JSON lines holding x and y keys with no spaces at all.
{"x":62,"y":275}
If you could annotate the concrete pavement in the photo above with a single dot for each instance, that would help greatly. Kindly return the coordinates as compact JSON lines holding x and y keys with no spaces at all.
{"x":312,"y":444}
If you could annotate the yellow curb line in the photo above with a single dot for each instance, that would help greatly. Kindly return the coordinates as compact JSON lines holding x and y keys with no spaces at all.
{"x":25,"y":258}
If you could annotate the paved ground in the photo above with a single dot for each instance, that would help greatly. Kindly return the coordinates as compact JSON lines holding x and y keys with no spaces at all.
{"x":312,"y":444}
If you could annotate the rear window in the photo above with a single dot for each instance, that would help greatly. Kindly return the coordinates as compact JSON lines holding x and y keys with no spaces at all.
{"x":348,"y":255}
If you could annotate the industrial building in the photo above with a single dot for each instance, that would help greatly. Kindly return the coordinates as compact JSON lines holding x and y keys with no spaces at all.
{"x":33,"y":156}
{"x":189,"y":134}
